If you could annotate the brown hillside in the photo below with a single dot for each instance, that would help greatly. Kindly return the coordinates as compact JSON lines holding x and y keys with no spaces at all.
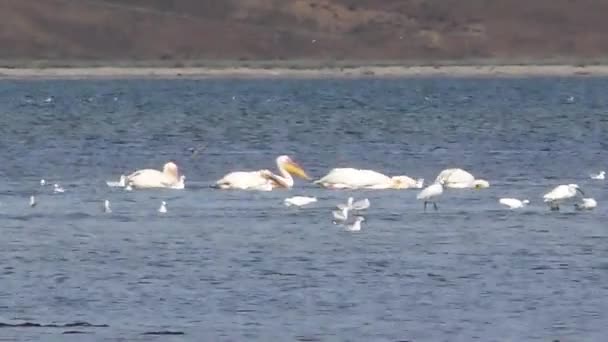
{"x":302,"y":29}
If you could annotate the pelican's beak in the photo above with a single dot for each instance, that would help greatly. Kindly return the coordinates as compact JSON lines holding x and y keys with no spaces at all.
{"x":296,"y":170}
{"x":580,"y":191}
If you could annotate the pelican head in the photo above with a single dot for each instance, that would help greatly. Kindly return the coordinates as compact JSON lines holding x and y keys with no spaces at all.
{"x":481,"y":184}
{"x":574,"y":187}
{"x":286,"y":163}
{"x":171,"y":169}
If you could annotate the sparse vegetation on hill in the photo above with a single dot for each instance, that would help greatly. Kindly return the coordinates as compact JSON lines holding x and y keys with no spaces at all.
{"x":329,"y":30}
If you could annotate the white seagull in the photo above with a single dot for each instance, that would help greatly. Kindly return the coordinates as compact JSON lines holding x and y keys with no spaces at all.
{"x":513,"y":203}
{"x":599,"y":176}
{"x":163,"y":207}
{"x":106,"y":207}
{"x":560,"y":194}
{"x":430,"y":193}
{"x":32,"y":201}
{"x":57,"y":189}
{"x":355,"y":226}
{"x":42,"y":182}
{"x":299,"y":201}
{"x":351,"y":204}
{"x":586,"y":204}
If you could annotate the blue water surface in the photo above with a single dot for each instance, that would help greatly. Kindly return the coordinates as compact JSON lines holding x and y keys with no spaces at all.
{"x":240,"y":266}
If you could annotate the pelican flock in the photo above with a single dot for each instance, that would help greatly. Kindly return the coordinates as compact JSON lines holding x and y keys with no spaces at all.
{"x":348,"y":214}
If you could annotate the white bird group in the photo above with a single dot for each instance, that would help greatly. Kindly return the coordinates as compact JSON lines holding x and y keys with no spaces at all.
{"x":342,"y":216}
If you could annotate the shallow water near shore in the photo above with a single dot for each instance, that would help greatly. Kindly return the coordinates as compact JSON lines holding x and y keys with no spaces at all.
{"x":232,"y":265}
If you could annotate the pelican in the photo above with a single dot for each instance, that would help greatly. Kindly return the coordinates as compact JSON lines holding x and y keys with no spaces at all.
{"x":431,"y":192}
{"x":599,"y":176}
{"x":350,"y":178}
{"x":264,"y":180}
{"x":299,"y":201}
{"x":513,"y":203}
{"x":460,"y":179}
{"x":149,"y":178}
{"x":560,"y":194}
{"x":586,"y":204}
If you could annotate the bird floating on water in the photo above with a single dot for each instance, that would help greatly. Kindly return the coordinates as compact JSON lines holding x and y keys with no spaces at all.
{"x":431,"y":193}
{"x":42,"y":182}
{"x":150,"y":178}
{"x":351,"y":178}
{"x":264,"y":180}
{"x":586,"y":204}
{"x":342,"y":215}
{"x":57,"y":188}
{"x":32,"y":201}
{"x":460,"y":179}
{"x":513,"y":203}
{"x":560,"y":194}
{"x":106,"y":207}
{"x":299,"y":201}
{"x":355,"y":226}
{"x":599,"y":176}
{"x":163,"y":207}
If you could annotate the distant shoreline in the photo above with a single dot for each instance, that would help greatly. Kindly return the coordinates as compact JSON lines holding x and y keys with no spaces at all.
{"x":377,"y":71}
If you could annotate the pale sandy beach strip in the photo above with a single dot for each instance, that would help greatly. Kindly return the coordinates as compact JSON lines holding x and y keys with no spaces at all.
{"x":281,"y":72}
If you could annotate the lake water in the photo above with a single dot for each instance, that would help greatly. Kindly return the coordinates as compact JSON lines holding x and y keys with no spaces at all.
{"x":237,"y":266}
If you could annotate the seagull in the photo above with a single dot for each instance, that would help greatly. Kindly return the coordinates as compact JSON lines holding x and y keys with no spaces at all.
{"x":32,"y":201}
{"x":355,"y":226}
{"x":431,"y":192}
{"x":57,"y":188}
{"x":351,"y":204}
{"x":560,"y":194}
{"x":299,"y":201}
{"x":106,"y":207}
{"x":163,"y":207}
{"x":599,"y":176}
{"x":586,"y":204}
{"x":42,"y":182}
{"x":340,"y":216}
{"x":513,"y":203}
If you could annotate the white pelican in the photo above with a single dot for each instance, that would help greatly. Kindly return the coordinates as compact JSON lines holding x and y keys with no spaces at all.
{"x":350,"y":178}
{"x":599,"y":176}
{"x":163,"y":207}
{"x":264,"y":180}
{"x":32,"y":201}
{"x":586,"y":204}
{"x":149,"y":178}
{"x":513,"y":203}
{"x":560,"y":194}
{"x":431,"y":192}
{"x":299,"y":201}
{"x":106,"y":207}
{"x":57,"y":189}
{"x":459,"y":179}
{"x":355,"y":226}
